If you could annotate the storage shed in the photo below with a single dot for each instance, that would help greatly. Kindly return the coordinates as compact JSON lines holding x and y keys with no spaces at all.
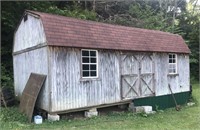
{"x":91,"y":64}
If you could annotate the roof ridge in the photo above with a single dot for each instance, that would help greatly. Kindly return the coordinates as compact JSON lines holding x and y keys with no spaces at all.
{"x":103,"y":23}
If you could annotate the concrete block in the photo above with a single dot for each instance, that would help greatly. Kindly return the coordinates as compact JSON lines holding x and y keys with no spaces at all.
{"x":190,"y":103}
{"x":139,"y":109}
{"x":92,"y":112}
{"x":53,"y":117}
{"x":147,"y":109}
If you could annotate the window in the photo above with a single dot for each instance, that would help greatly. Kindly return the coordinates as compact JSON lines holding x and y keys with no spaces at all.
{"x":89,"y":63}
{"x":172,"y":63}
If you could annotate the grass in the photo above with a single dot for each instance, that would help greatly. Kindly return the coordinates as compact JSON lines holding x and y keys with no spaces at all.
{"x":169,"y":119}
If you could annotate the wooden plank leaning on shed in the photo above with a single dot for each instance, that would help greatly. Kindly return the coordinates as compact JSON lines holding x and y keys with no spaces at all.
{"x":30,"y":94}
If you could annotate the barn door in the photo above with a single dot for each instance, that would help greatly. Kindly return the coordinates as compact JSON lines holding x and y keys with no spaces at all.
{"x":137,"y":75}
{"x":146,"y":75}
{"x":129,"y":77}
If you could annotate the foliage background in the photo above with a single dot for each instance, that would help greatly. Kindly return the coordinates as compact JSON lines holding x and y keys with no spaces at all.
{"x":158,"y":15}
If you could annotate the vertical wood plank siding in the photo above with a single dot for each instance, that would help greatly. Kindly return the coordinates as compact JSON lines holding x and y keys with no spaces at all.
{"x":184,"y":72}
{"x":66,"y":90}
{"x":33,"y":61}
{"x":179,"y":82}
{"x":110,"y":76}
{"x":29,"y":33}
{"x":161,"y":71}
{"x":70,"y":91}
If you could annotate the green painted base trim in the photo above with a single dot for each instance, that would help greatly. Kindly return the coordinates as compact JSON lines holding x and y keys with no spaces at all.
{"x":163,"y":102}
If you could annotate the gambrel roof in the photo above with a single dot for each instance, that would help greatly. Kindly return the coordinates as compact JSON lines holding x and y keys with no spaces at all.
{"x":72,"y":32}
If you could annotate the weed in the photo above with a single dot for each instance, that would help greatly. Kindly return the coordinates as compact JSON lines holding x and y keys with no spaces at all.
{"x":187,"y":118}
{"x":143,"y":114}
{"x":12,"y":114}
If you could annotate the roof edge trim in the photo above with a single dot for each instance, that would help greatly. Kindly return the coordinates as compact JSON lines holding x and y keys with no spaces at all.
{"x":31,"y":13}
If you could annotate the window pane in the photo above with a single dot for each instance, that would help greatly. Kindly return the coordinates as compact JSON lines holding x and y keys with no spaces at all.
{"x":173,"y":61}
{"x":93,"y":60}
{"x":85,"y":73}
{"x":173,"y":56}
{"x":93,"y":73}
{"x":170,"y":61}
{"x":85,"y":60}
{"x":169,"y":70}
{"x":172,"y":66}
{"x":92,"y":67}
{"x":85,"y":67}
{"x":172,"y":70}
{"x":85,"y":53}
{"x":170,"y":55}
{"x":92,"y":53}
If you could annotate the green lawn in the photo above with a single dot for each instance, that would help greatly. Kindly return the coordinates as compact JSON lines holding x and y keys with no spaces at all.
{"x":169,"y":119}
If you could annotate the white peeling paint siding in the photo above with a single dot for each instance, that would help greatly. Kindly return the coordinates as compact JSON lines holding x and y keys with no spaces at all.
{"x":109,"y":72}
{"x":184,"y":72}
{"x":179,"y":82}
{"x":69,"y":91}
{"x":161,"y":71}
{"x":34,"y":61}
{"x":29,"y":33}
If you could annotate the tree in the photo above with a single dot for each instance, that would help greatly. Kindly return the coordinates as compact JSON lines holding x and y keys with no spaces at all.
{"x":189,"y":22}
{"x":156,"y":15}
{"x":11,"y":14}
{"x":175,"y":16}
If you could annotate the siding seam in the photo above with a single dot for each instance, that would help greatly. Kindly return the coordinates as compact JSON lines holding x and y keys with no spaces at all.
{"x":30,"y":49}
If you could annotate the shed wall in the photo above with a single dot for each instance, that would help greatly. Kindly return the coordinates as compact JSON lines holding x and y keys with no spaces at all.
{"x":29,"y":33}
{"x":179,"y":82}
{"x":31,"y":61}
{"x":69,"y":91}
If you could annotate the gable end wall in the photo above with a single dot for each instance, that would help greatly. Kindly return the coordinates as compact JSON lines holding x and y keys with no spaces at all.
{"x":29,"y":33}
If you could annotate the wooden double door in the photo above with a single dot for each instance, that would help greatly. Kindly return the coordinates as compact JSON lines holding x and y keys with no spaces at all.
{"x":137,"y":77}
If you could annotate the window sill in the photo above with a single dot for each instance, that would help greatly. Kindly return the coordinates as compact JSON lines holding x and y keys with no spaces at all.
{"x":89,"y":79}
{"x":175,"y":74}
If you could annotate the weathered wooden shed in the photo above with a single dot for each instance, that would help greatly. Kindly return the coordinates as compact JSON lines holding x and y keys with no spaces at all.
{"x":92,"y":64}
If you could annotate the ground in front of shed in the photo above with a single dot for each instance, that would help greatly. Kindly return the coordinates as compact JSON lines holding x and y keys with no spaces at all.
{"x":157,"y":103}
{"x":187,"y":118}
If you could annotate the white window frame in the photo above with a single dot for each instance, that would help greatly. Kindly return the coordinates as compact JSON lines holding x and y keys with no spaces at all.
{"x":172,"y":63}
{"x":89,"y":77}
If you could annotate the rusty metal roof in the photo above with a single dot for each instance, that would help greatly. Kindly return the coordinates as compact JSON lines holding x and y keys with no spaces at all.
{"x":71,"y":32}
{"x":30,"y":94}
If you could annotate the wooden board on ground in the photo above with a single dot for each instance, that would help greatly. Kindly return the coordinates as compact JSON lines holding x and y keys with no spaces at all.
{"x":30,"y":94}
